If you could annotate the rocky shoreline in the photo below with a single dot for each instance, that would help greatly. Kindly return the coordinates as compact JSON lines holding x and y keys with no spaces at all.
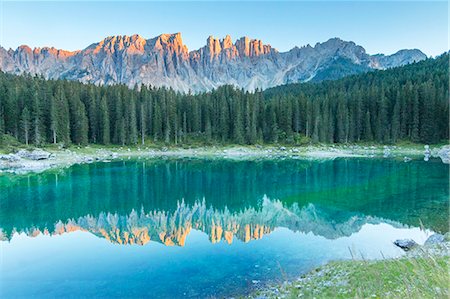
{"x":336,"y":277}
{"x":38,"y":160}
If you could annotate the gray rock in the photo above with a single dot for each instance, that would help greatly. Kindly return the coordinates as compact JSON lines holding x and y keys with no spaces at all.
{"x":10,"y":158}
{"x":434,"y":239}
{"x":405,"y":244}
{"x":444,"y":154}
{"x":447,"y":237}
{"x":36,"y":154}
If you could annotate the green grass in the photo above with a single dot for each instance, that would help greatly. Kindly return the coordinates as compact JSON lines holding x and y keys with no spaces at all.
{"x":424,"y":276}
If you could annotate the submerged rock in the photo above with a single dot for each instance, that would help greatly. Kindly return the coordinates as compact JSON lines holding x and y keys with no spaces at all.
{"x":406,"y":244}
{"x":36,"y":154}
{"x":434,"y":239}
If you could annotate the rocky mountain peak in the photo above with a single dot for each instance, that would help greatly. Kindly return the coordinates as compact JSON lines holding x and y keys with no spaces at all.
{"x":171,"y":42}
{"x":252,"y":47}
{"x":216,"y":47}
{"x":24,"y":48}
{"x":227,"y":42}
{"x":132,"y":44}
{"x":213,"y":46}
{"x":165,"y":61}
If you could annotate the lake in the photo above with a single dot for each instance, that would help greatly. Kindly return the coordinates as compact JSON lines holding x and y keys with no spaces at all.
{"x":196,"y":228}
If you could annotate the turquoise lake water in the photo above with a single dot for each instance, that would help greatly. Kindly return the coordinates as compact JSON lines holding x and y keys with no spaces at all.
{"x":194,"y":228}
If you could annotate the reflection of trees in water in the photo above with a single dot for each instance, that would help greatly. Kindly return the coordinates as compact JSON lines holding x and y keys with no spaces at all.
{"x":404,"y":192}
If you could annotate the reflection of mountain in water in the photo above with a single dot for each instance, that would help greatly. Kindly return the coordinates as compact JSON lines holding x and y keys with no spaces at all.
{"x":321,"y":197}
{"x":173,"y":228}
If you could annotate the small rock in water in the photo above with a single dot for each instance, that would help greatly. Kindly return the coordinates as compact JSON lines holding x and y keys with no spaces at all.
{"x":405,"y":244}
{"x":434,"y":239}
{"x":407,"y":159}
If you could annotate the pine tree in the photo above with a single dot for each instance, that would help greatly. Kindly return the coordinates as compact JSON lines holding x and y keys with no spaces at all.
{"x":395,"y":121}
{"x":224,"y":121}
{"x":238,"y":128}
{"x":382,"y":127}
{"x":415,"y":118}
{"x":54,"y":112}
{"x":37,"y":117}
{"x":368,"y":135}
{"x":104,"y":123}
{"x":25,"y":124}
{"x":91,"y":101}
{"x":133,"y":121}
{"x":143,"y":121}
{"x":157,"y":122}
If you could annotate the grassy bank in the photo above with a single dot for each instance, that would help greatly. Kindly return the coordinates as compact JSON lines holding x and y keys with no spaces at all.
{"x":424,"y":274}
{"x":73,"y":154}
{"x":12,"y":145}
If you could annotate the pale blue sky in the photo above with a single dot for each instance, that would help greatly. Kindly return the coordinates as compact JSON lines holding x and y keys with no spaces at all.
{"x":380,"y":27}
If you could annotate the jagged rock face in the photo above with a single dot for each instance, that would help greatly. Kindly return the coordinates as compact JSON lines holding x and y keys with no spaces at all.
{"x":166,"y":61}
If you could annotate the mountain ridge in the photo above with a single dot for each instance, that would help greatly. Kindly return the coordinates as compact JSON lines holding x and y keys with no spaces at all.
{"x":166,"y":61}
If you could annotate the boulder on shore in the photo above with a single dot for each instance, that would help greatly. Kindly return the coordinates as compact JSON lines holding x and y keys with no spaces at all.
{"x":36,"y":154}
{"x":406,"y":244}
{"x":10,"y":158}
{"x":444,"y":154}
{"x":434,"y":239}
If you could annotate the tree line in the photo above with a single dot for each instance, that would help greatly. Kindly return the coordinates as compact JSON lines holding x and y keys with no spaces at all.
{"x":406,"y":103}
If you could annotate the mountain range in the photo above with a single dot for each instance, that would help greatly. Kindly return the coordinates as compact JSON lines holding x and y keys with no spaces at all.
{"x":166,"y":61}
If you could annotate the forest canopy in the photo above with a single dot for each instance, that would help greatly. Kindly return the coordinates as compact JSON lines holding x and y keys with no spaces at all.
{"x":407,"y":103}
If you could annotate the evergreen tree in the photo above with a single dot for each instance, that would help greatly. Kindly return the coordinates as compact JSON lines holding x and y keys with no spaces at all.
{"x":25,"y":124}
{"x":103,"y":116}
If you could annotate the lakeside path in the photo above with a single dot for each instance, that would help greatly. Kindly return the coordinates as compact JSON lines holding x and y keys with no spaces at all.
{"x":38,"y":160}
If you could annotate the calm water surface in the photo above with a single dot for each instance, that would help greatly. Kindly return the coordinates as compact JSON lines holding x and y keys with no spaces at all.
{"x":196,"y":228}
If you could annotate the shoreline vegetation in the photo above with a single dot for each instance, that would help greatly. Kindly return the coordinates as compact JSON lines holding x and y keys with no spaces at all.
{"x":30,"y":159}
{"x":420,"y":273}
